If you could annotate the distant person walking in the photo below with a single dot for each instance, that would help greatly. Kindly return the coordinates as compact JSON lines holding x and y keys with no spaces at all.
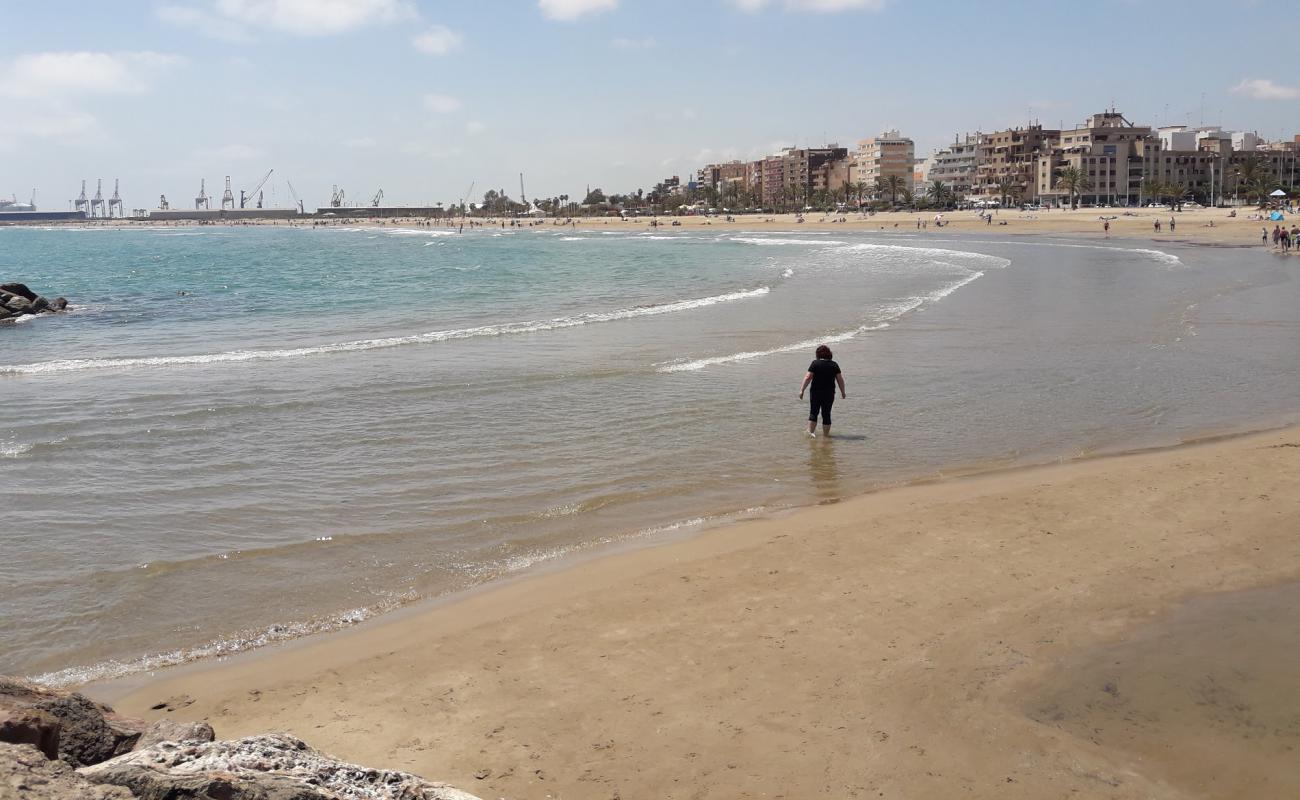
{"x":824,"y":375}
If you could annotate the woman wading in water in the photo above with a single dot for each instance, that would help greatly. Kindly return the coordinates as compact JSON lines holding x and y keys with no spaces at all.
{"x":824,"y":375}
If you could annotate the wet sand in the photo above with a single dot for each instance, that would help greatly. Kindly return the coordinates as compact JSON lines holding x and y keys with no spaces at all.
{"x":1025,"y":634}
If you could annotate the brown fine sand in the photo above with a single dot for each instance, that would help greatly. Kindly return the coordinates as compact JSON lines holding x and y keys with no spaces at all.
{"x":1121,"y":627}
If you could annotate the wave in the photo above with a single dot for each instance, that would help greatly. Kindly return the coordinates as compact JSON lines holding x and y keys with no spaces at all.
{"x":13,"y":449}
{"x":883,"y":317}
{"x":1155,"y":255}
{"x":505,"y":329}
{"x":771,"y":242}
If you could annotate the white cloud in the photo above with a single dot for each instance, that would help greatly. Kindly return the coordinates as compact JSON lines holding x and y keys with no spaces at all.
{"x":361,"y":143}
{"x":441,"y":103}
{"x":204,"y":23}
{"x":230,"y":20}
{"x":475,"y":127}
{"x":817,"y":6}
{"x":1264,"y":89}
{"x":567,"y":10}
{"x":54,"y":75}
{"x":624,"y":43}
{"x":438,"y":40}
{"x":21,"y":120}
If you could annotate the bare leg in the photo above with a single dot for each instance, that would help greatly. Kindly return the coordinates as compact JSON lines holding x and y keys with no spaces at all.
{"x":826,"y":431}
{"x":812,"y":427}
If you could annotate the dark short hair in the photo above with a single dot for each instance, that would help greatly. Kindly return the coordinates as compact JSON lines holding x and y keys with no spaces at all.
{"x":823,"y":352}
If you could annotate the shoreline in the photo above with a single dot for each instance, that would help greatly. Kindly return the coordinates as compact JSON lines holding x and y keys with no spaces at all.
{"x":361,"y":672}
{"x":1194,"y":225}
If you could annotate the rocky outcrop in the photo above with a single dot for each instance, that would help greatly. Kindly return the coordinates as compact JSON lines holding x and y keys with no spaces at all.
{"x":16,"y":300}
{"x":269,"y":767}
{"x":169,"y":730}
{"x":26,"y":774}
{"x":87,"y":733}
{"x":44,"y":733}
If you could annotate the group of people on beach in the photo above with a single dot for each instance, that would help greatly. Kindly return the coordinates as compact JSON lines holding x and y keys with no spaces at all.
{"x":1283,"y":239}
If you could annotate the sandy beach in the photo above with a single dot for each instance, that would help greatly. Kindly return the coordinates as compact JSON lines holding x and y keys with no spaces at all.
{"x":1119,"y":627}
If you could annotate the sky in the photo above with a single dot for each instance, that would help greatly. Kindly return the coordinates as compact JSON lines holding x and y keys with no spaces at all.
{"x":423,"y":98}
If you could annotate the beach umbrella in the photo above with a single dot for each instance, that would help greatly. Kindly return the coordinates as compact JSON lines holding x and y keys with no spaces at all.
{"x":1277,"y":193}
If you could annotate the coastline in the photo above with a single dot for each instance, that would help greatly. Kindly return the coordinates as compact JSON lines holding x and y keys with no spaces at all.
{"x":888,"y":641}
{"x":1194,"y":225}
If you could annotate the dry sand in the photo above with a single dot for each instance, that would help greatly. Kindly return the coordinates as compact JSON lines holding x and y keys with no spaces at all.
{"x":1091,"y":629}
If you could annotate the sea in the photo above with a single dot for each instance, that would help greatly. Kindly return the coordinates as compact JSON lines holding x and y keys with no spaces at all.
{"x":242,"y":435}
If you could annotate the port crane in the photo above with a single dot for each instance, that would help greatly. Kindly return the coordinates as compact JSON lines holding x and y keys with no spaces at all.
{"x":81,"y":203}
{"x":336,"y":198}
{"x":115,"y":202}
{"x":228,"y":197}
{"x":201,"y":202}
{"x":97,"y":202}
{"x":296,"y":198}
{"x":374,"y":201}
{"x":163,"y":205}
{"x":244,"y":197}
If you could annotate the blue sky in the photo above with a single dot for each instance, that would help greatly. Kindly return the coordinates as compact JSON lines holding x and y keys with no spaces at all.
{"x":421,"y":97}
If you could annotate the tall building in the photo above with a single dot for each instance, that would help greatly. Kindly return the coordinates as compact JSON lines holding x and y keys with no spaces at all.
{"x":955,"y":164}
{"x":880,"y":157}
{"x":1108,"y":150}
{"x":1011,"y":156}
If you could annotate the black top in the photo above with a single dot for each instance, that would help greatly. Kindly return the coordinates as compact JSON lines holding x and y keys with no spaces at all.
{"x":823,"y":371}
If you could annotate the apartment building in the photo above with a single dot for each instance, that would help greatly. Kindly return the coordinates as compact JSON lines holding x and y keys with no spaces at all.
{"x":955,"y":164}
{"x":883,"y":156}
{"x":1011,"y":155}
{"x":1109,"y":151}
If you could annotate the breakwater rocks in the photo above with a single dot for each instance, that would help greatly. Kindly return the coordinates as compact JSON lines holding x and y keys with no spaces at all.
{"x":16,"y":300}
{"x":63,"y":745}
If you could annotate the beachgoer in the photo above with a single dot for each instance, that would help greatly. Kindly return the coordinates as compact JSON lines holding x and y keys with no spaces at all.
{"x":1263,"y":236}
{"x":1172,"y":223}
{"x":1106,"y":227}
{"x":824,"y":375}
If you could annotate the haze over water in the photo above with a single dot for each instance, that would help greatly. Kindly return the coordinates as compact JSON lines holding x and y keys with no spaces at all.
{"x":245,"y":434}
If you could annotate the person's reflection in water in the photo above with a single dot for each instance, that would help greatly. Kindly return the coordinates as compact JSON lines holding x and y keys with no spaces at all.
{"x":824,"y":470}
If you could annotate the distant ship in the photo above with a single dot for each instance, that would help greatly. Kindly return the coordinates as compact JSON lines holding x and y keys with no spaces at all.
{"x":12,"y":205}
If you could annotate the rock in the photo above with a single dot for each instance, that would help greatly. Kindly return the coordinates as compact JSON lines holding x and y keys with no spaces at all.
{"x":30,"y":726}
{"x":19,"y":289}
{"x":26,"y":774}
{"x":167,"y":730}
{"x":40,"y":304}
{"x":59,"y":304}
{"x":88,"y":732}
{"x":269,"y":767}
{"x":19,"y":305}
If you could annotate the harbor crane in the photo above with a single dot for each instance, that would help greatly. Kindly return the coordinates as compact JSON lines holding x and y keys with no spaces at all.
{"x":228,"y":197}
{"x":115,"y":202}
{"x":244,"y":197}
{"x":336,"y":198}
{"x":97,"y":202}
{"x":163,"y":205}
{"x":201,"y":202}
{"x":374,"y":201}
{"x":81,"y":203}
{"x":294,"y":193}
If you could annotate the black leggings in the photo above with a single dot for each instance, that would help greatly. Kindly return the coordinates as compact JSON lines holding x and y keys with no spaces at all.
{"x":820,"y":402}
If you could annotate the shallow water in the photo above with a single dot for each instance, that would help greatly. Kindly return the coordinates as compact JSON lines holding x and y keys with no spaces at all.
{"x":249,"y":434}
{"x":1209,"y":694}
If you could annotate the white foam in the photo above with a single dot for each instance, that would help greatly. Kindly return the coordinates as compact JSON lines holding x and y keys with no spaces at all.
{"x":777,"y":242}
{"x":13,"y":449}
{"x":882,"y":317}
{"x":509,"y":328}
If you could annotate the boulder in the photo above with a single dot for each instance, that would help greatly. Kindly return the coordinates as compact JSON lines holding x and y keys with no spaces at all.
{"x":19,"y":305}
{"x":88,"y":732}
{"x":268,"y":767}
{"x":40,"y":304}
{"x":19,"y":289}
{"x":59,"y":304}
{"x":26,"y":774}
{"x":30,"y":726}
{"x":168,"y":730}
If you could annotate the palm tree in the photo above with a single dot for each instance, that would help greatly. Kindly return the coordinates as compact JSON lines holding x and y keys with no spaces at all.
{"x":938,"y":192}
{"x":896,"y":185}
{"x":1008,"y":187}
{"x":1073,"y":181}
{"x":909,"y":196}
